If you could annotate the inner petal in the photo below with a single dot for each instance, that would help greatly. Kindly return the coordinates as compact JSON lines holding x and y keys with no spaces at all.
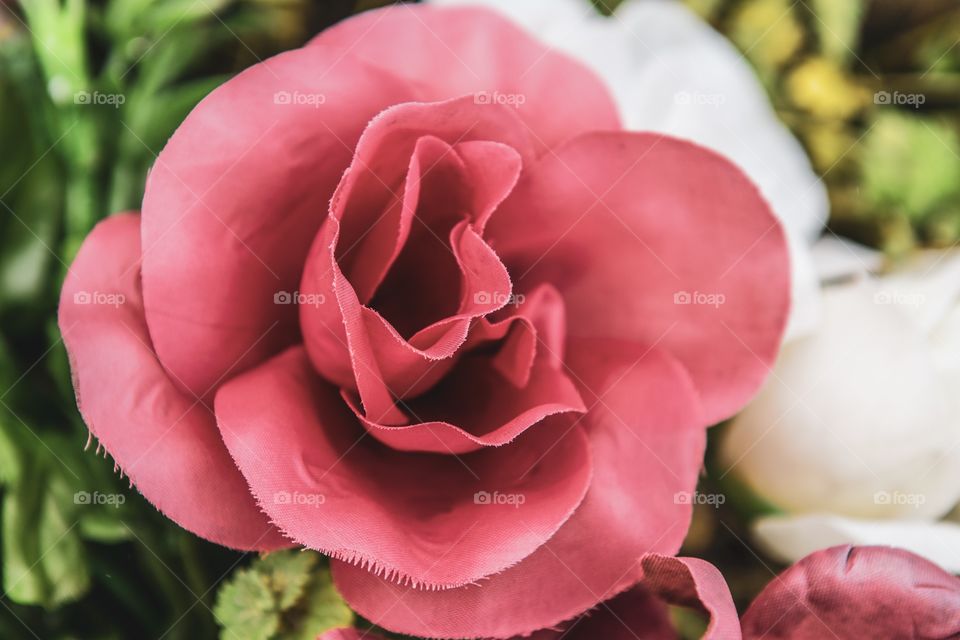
{"x":436,"y":265}
{"x":424,"y":175}
{"x":509,"y":378}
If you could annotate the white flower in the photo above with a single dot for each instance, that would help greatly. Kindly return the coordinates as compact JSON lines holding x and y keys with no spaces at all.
{"x":670,"y":72}
{"x":856,"y":435}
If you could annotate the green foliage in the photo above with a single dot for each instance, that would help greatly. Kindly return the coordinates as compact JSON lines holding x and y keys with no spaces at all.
{"x":286,"y":595}
{"x":911,"y":164}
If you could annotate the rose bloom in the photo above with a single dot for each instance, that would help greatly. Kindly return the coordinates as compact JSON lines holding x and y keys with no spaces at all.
{"x":411,"y":297}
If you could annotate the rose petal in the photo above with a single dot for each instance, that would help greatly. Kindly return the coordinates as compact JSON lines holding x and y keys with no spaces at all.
{"x":488,"y":400}
{"x":646,"y":427}
{"x":349,"y":634}
{"x":691,"y":582}
{"x":641,"y":612}
{"x":475,"y":407}
{"x":353,"y":345}
{"x":670,"y":240}
{"x":857,"y":592}
{"x":411,"y":517}
{"x":471,"y":50}
{"x":164,"y":440}
{"x":234,"y":200}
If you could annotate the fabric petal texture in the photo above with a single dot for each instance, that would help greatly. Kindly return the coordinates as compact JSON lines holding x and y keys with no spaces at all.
{"x":857,"y":592}
{"x":475,"y":51}
{"x":163,"y":439}
{"x":423,"y":520}
{"x":410,"y":297}
{"x":626,"y":217}
{"x":646,"y":427}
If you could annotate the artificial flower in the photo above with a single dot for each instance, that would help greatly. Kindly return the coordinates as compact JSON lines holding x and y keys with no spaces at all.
{"x":411,"y":297}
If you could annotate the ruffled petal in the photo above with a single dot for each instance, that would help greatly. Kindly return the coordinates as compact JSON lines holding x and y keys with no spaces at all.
{"x":234,"y":200}
{"x":670,"y":240}
{"x":695,"y":583}
{"x":434,"y":521}
{"x":488,"y":399}
{"x":163,"y":439}
{"x":350,"y":343}
{"x":472,"y":50}
{"x":647,"y":435}
{"x":857,"y":592}
{"x":641,"y":612}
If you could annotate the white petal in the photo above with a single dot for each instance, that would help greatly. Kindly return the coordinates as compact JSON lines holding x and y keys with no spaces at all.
{"x":855,"y":409}
{"x":838,"y":258}
{"x":804,"y":291}
{"x":790,"y":538}
{"x":926,"y":288}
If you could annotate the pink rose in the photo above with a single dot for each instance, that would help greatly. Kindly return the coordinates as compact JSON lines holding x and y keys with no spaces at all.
{"x":410,"y":297}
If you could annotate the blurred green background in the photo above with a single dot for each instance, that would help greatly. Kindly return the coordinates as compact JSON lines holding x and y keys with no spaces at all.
{"x":89,"y":92}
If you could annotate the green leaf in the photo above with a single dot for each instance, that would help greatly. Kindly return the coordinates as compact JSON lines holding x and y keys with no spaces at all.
{"x":285,"y":595}
{"x":246,"y":607}
{"x":27,"y":246}
{"x":43,"y":559}
{"x":288,"y":575}
{"x":911,"y":164}
{"x":319,"y":610}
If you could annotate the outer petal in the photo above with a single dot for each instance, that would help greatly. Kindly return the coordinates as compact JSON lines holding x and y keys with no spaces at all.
{"x":349,"y":634}
{"x":670,"y":240}
{"x":857,"y":592}
{"x":427,"y":519}
{"x":789,"y":538}
{"x":165,"y":441}
{"x":469,"y":50}
{"x":692,"y":582}
{"x":234,"y":200}
{"x":672,"y":73}
{"x":641,"y":612}
{"x":647,"y":436}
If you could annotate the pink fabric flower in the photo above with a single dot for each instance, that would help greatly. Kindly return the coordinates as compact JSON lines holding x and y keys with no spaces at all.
{"x":408,"y":296}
